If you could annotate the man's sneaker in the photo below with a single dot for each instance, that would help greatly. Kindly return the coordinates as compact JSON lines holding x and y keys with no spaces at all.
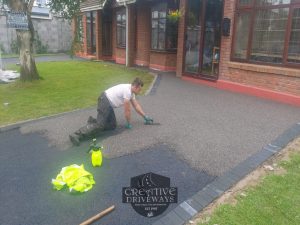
{"x":92,"y":120}
{"x":74,"y":139}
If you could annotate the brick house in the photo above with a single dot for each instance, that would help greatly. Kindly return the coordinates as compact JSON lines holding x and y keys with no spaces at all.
{"x":248,"y":46}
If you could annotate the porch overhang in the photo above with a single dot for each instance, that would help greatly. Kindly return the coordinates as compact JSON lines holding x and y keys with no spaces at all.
{"x":92,"y":5}
{"x":125,"y":2}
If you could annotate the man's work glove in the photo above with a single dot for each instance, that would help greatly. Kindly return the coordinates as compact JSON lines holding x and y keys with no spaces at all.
{"x":148,"y":120}
{"x":128,"y":125}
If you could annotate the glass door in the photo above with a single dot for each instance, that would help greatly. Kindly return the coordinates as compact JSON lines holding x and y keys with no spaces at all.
{"x":193,"y":37}
{"x":203,"y":37}
{"x":212,"y":37}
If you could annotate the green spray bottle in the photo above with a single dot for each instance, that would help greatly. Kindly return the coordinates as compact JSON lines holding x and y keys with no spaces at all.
{"x":96,"y":154}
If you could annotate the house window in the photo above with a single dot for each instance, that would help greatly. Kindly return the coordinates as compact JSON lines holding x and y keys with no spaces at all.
{"x":293,"y":55}
{"x":121,"y":28}
{"x":267,"y":32}
{"x":164,"y":33}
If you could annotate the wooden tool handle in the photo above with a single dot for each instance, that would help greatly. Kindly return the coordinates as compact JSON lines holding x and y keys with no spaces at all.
{"x":98,"y":216}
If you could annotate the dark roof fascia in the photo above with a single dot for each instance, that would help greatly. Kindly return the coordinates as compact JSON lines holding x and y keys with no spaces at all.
{"x":92,"y":5}
{"x":39,"y":14}
{"x":125,"y":2}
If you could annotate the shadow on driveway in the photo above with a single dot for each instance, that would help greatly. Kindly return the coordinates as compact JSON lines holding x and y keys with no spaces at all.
{"x":27,"y":165}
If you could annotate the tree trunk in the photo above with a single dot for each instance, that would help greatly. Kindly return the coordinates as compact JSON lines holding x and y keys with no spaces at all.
{"x":28,"y":68}
{"x":25,"y":38}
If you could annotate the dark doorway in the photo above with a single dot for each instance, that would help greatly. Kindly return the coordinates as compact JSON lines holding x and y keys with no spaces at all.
{"x":107,"y":32}
{"x":91,"y":32}
{"x":203,"y":37}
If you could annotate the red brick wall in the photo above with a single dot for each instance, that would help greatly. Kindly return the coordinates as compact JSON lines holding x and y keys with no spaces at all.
{"x":114,"y":37}
{"x":131,"y":34}
{"x":84,"y":35}
{"x":163,"y":61}
{"x":143,"y":35}
{"x":120,"y":55}
{"x":98,"y":35}
{"x":180,"y":42}
{"x":84,"y":49}
{"x":274,"y":78}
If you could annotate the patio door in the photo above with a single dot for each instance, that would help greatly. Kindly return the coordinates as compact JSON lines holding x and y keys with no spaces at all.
{"x":203,"y":37}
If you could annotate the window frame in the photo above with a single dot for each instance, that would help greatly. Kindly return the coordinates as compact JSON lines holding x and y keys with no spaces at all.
{"x":121,"y":28}
{"x":167,"y":30}
{"x":253,"y":9}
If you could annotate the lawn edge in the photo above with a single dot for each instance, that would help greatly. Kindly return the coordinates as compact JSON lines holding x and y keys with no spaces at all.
{"x":12,"y":126}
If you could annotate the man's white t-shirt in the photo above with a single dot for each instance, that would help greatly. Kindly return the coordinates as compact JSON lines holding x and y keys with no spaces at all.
{"x":118,"y":94}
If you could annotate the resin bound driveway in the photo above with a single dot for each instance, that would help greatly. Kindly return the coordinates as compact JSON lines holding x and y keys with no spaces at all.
{"x":204,"y":133}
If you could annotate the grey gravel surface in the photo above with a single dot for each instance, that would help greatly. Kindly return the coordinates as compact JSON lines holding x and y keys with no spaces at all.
{"x":58,"y":57}
{"x":211,"y":129}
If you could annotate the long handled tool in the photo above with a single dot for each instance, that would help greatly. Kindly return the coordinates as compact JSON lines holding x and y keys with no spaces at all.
{"x":98,"y":216}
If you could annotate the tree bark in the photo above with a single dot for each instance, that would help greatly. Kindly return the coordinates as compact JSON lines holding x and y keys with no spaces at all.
{"x":25,"y":38}
{"x":28,"y":68}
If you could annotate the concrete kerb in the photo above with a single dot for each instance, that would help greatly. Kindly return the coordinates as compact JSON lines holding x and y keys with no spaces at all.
{"x":190,"y":207}
{"x":21,"y":123}
{"x":153,"y":84}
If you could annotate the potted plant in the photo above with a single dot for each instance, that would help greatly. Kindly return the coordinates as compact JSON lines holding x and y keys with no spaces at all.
{"x":174,"y":16}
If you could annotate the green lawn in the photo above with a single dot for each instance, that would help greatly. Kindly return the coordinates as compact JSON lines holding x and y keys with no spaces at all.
{"x":275,"y":201}
{"x":64,"y":86}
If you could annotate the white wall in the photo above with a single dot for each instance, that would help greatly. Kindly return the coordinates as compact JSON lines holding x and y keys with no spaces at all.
{"x":56,"y":32}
